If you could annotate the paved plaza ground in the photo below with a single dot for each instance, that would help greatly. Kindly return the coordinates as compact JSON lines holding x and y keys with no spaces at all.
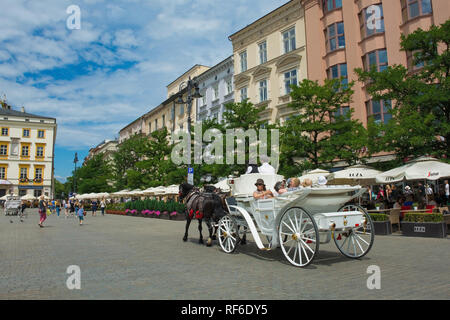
{"x":125,"y":257}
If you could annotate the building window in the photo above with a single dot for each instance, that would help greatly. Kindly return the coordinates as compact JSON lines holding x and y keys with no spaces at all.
{"x":163,"y":120}
{"x":216,"y":92}
{"x":379,"y":110}
{"x":39,"y":151}
{"x":410,"y":61}
{"x":334,"y":36}
{"x":342,"y":112}
{"x":23,"y":173}
{"x":329,"y":5}
{"x":229,"y":86}
{"x":3,"y":150}
{"x":41,"y":133}
{"x":243,"y":94}
{"x":377,"y":58}
{"x":290,"y":78}
{"x":243,"y":57}
{"x":370,"y":24}
{"x":263,"y":52}
{"x":415,"y":8}
{"x":25,"y":151}
{"x":156,"y":124}
{"x":38,"y":174}
{"x":5,"y":131}
{"x":263,"y":90}
{"x":26,"y":133}
{"x":37,"y":193}
{"x":337,"y":71}
{"x":289,"y":40}
{"x":149,"y":127}
{"x":181,"y":110}
{"x":3,"y":173}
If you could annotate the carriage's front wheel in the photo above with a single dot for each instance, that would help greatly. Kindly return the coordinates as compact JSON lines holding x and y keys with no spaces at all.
{"x":298,"y":236}
{"x":356,"y":242}
{"x":228,"y":234}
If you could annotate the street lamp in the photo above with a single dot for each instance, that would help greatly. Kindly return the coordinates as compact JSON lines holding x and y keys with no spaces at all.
{"x":189,"y":85}
{"x":75,"y":160}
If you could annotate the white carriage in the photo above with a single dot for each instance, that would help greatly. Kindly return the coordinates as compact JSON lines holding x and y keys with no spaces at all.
{"x":12,"y":205}
{"x":296,"y":221}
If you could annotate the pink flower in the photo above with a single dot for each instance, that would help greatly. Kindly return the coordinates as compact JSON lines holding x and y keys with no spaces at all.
{"x":173,"y":213}
{"x":128,"y":210}
{"x":157,"y":213}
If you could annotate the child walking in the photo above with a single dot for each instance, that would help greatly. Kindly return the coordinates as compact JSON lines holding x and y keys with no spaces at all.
{"x":80,"y":213}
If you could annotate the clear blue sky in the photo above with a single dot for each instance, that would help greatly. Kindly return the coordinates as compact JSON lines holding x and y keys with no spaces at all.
{"x":116,"y":67}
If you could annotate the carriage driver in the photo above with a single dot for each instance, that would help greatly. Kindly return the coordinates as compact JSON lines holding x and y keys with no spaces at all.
{"x":261,"y":192}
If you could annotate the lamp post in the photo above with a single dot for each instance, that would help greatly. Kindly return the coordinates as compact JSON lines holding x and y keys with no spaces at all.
{"x":189,"y":85}
{"x":75,"y":160}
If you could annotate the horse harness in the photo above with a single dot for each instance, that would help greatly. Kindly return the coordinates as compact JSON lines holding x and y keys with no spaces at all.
{"x":195,"y":201}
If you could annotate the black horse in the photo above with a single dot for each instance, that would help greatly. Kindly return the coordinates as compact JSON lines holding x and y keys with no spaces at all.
{"x":206,"y":206}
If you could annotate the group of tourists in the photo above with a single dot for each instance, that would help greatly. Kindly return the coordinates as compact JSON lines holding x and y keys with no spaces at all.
{"x":291,"y":184}
{"x":392,"y":196}
{"x":71,"y":207}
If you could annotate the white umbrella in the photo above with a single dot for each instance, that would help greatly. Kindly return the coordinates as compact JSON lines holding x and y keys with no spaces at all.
{"x":172,"y":189}
{"x":357,"y":172}
{"x":120,"y":193}
{"x":136,"y":192}
{"x":159,"y":190}
{"x":423,"y":168}
{"x":314,"y":175}
{"x":28,"y":197}
{"x":223,"y":185}
{"x":148,"y":191}
{"x":103,"y":195}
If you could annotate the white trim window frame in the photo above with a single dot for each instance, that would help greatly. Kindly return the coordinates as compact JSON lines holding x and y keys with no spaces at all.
{"x":262,"y":52}
{"x":243,"y":60}
{"x":290,"y":78}
{"x":263,"y":96}
{"x":288,"y":37}
{"x":244,"y":93}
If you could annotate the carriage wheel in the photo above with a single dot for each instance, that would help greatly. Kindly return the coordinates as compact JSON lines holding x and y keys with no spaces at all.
{"x":228,"y":234}
{"x":298,"y":236}
{"x":356,"y":242}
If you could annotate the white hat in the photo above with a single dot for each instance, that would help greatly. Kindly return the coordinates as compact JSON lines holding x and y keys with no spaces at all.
{"x":322,"y":180}
{"x":407,"y":188}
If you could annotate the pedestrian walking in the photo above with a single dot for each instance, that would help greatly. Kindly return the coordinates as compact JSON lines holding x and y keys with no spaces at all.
{"x":42,"y":210}
{"x":58,"y":207}
{"x":447,"y":191}
{"x":94,"y":207}
{"x":103,"y":206}
{"x":66,"y":208}
{"x":80,"y":214}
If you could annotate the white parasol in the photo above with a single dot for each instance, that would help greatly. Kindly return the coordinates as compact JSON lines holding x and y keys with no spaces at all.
{"x":423,"y":168}
{"x":314,"y":175}
{"x":223,"y":185}
{"x":360,"y":173}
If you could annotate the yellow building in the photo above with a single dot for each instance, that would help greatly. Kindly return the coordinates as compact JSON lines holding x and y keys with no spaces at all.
{"x":269,"y":55}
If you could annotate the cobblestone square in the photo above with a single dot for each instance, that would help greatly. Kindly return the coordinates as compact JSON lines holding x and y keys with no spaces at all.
{"x":125,"y":257}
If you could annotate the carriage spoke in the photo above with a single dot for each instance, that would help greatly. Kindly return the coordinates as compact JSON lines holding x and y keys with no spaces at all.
{"x":362,"y":239}
{"x":299,"y":253}
{"x":295,"y":253}
{"x":359,"y":245}
{"x":296,"y":222}
{"x":288,"y":226}
{"x":292,"y":224}
{"x":306,"y":245}
{"x":306,"y":255}
{"x":354,"y":246}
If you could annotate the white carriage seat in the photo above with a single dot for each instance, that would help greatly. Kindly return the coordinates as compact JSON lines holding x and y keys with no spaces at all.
{"x":245,"y":184}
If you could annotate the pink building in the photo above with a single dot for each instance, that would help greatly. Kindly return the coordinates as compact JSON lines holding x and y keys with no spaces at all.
{"x":342,"y":35}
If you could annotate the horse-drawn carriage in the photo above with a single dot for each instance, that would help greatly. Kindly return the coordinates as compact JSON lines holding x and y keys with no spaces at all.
{"x":297,"y":221}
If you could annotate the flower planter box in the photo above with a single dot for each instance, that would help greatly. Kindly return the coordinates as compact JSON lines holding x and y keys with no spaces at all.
{"x":382,"y":228}
{"x":424,"y":229}
{"x":164,"y":215}
{"x":117,"y":212}
{"x":178,"y":217}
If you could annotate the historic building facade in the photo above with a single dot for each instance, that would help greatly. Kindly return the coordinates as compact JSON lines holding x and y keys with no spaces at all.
{"x":106,"y":148}
{"x":344,"y":35}
{"x":269,"y":55}
{"x":27,"y":144}
{"x":216,"y":87}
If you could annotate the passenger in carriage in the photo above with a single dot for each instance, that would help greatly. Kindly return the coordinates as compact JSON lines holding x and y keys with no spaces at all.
{"x":280,"y":187}
{"x":307,"y":183}
{"x":265,"y":166}
{"x":293,"y":184}
{"x":261,"y":192}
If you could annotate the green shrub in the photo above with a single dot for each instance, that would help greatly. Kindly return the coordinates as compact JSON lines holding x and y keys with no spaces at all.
{"x":379,"y":216}
{"x":423,"y":217}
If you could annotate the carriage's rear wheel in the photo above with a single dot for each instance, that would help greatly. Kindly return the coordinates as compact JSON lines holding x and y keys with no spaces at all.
{"x":228,"y":234}
{"x":356,"y":242}
{"x":298,"y":236}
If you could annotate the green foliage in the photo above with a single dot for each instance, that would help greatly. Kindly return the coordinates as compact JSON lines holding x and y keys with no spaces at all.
{"x":379,"y":217}
{"x":423,"y":217}
{"x":94,"y":176}
{"x":319,"y":133}
{"x":150,"y":204}
{"x":422,"y":101}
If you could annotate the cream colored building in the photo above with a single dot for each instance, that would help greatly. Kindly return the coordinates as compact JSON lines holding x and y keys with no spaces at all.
{"x":106,"y":147}
{"x":131,"y":129}
{"x":269,"y":55}
{"x":27,"y":144}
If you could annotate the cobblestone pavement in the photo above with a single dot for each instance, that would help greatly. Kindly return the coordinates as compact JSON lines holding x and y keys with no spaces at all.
{"x":141,"y":258}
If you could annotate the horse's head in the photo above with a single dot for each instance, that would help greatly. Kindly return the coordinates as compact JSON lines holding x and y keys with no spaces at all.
{"x":184,"y":190}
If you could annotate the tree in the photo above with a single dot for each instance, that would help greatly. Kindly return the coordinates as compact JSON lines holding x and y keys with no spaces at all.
{"x":319,"y":133}
{"x":421,"y":117}
{"x":94,"y":176}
